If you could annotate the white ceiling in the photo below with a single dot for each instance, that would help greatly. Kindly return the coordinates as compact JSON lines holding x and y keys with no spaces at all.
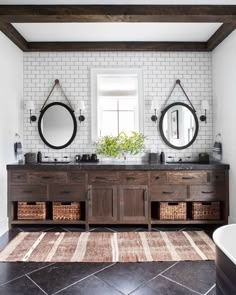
{"x":124,"y":2}
{"x":188,"y":32}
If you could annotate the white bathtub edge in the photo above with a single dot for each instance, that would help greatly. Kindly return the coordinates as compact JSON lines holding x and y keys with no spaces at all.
{"x":216,"y":238}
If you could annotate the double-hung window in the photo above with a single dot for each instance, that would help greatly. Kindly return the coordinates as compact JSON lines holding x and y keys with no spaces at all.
{"x":117,"y":102}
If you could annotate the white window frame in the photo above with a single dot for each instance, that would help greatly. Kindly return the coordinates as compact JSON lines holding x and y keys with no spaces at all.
{"x":94,"y":109}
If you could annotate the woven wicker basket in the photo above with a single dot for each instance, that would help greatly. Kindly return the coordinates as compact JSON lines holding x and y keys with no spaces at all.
{"x":66,"y":210}
{"x":31,"y":210}
{"x":205,"y":210}
{"x":173,"y":211}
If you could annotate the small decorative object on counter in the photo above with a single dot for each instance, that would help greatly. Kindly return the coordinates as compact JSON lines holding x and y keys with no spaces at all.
{"x":162,"y":158}
{"x":203,"y":158}
{"x":30,"y":158}
{"x":217,"y":148}
{"x":86,"y":158}
{"x":39,"y":157}
{"x":120,"y":145}
{"x":153,"y":158}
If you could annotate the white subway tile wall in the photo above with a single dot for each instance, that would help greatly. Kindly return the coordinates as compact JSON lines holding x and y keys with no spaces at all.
{"x":160,"y":70}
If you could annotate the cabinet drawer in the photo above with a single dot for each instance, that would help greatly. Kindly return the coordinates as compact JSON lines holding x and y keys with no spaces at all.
{"x":158,"y":178}
{"x":207,"y":192}
{"x":77,"y":177}
{"x":103,"y":178}
{"x":168,"y":193}
{"x":217,"y":177}
{"x":134,"y":177}
{"x":66,"y":193}
{"x":193,"y":177}
{"x":28,"y":193}
{"x":18,"y":177}
{"x":47,"y":177}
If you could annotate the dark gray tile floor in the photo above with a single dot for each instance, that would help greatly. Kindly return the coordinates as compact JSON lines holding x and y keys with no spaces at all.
{"x":151,"y":278}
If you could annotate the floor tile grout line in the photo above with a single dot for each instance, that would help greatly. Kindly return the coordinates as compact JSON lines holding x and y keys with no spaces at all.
{"x":210,"y":289}
{"x":36,"y":284}
{"x":181,"y":285}
{"x":113,"y":287}
{"x":57,"y":292}
{"x":28,"y":273}
{"x":144,"y":284}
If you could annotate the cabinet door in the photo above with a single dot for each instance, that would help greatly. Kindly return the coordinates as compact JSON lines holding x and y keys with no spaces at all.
{"x":134,"y":203}
{"x":102,"y":204}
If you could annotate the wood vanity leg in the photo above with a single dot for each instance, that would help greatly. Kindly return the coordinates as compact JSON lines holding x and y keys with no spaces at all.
{"x":149,"y":227}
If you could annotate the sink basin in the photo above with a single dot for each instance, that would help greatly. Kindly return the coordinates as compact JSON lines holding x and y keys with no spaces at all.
{"x":55,"y":162}
{"x":184,"y":163}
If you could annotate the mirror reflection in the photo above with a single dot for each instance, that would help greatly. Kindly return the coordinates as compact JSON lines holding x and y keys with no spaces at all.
{"x":178,"y":125}
{"x":57,"y":125}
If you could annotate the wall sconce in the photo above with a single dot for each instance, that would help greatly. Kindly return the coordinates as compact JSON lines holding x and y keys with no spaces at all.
{"x":154,"y":107}
{"x":80,"y":108}
{"x":30,"y":106}
{"x":204,"y":106}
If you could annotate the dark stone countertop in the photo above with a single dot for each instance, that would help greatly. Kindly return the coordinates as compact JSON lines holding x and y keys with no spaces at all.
{"x":119,"y":166}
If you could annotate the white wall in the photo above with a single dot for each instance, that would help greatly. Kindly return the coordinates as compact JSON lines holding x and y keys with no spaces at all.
{"x":11,"y":94}
{"x":159,"y":70}
{"x":224,"y":100}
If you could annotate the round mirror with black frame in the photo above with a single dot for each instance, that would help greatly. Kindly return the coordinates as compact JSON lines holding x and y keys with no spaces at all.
{"x":57,"y":125}
{"x":178,"y":125}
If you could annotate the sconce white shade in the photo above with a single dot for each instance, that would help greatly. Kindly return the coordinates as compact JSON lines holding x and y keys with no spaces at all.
{"x":80,"y":106}
{"x":30,"y":105}
{"x":154,"y":105}
{"x":205,"y":105}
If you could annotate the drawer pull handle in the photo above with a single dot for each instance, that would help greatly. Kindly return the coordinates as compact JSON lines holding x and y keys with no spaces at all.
{"x":131,"y":178}
{"x":65,"y":192}
{"x":185,"y":177}
{"x":46,"y":177}
{"x":167,"y":193}
{"x":212,"y":192}
{"x":100,"y":178}
{"x":157,"y":177}
{"x":27,"y":192}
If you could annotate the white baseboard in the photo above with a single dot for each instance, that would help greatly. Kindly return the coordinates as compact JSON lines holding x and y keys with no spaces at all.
{"x":232,"y":219}
{"x":3,"y":226}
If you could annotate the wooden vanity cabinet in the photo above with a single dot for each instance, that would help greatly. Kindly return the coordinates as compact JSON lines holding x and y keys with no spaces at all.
{"x":133,"y":203}
{"x":117,"y":197}
{"x":102,"y":204}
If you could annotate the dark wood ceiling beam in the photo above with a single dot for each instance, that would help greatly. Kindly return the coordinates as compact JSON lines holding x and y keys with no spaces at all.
{"x":224,"y":31}
{"x":117,"y":46}
{"x":117,"y":13}
{"x":14,"y":36}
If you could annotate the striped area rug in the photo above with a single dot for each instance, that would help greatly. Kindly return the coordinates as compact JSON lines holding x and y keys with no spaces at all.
{"x":109,"y":247}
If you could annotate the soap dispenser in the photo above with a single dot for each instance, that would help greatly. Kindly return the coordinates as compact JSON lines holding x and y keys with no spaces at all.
{"x":162,"y":158}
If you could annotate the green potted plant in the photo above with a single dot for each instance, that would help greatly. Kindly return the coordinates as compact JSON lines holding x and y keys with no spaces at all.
{"x":121,"y":145}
